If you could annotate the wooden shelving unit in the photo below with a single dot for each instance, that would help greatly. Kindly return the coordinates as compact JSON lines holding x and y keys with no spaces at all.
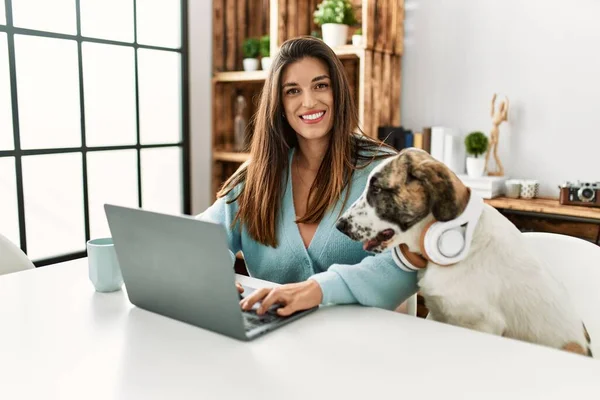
{"x":548,"y":206}
{"x":231,"y":156}
{"x":548,"y":215}
{"x":240,"y":76}
{"x":373,"y":69}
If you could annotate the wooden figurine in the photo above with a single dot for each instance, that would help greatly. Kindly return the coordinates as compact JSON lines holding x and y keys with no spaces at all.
{"x":498,"y":116}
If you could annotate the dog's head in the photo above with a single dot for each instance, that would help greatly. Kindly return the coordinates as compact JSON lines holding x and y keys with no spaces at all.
{"x":402,"y":195}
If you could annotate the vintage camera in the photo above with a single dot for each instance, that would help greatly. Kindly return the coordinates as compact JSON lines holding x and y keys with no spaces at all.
{"x":580,"y":194}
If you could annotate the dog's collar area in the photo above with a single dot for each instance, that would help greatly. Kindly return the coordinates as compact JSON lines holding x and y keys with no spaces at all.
{"x":433,"y":248}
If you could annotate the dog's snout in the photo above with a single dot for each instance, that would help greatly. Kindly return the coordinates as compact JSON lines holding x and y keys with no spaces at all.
{"x":342,"y":225}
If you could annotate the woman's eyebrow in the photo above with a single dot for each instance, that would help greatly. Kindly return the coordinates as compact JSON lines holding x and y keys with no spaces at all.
{"x":315,"y":79}
{"x":320,"y":77}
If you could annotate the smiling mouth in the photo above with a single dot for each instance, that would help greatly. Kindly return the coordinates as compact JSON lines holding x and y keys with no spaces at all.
{"x":313,"y":118}
{"x":382,"y":236}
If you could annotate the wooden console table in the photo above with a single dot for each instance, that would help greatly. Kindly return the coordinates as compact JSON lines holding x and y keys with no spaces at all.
{"x":548,"y":215}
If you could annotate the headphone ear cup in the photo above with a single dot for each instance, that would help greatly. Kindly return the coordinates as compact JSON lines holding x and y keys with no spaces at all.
{"x":424,"y":237}
{"x":451,"y":243}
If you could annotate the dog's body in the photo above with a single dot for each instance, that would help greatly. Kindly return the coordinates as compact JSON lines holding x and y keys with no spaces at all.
{"x":500,"y":287}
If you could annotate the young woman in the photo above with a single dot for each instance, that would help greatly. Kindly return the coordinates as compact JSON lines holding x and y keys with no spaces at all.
{"x":307,"y":165}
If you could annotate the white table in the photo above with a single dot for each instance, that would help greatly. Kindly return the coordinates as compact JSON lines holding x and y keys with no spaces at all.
{"x":59,"y":339}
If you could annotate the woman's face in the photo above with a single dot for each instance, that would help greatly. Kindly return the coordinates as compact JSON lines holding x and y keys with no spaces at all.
{"x":308,"y":98}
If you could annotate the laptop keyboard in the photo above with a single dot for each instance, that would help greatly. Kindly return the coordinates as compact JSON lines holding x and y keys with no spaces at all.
{"x":253,"y":320}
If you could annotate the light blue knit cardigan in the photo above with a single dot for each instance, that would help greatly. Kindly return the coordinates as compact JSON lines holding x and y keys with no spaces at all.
{"x":346,"y":273}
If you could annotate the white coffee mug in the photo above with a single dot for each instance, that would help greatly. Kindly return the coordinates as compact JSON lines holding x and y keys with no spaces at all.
{"x":104,"y":270}
{"x":513,"y":188}
{"x":529,"y":189}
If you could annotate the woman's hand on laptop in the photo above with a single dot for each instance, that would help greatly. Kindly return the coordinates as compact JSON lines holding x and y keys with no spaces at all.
{"x":292,"y":297}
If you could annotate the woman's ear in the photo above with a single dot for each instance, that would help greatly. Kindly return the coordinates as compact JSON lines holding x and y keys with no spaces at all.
{"x":439,"y":182}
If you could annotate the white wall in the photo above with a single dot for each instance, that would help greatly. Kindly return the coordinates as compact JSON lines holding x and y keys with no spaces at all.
{"x":200,"y":74}
{"x":543,"y":54}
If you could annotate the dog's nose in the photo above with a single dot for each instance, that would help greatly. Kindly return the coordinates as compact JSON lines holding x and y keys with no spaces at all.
{"x":342,"y":225}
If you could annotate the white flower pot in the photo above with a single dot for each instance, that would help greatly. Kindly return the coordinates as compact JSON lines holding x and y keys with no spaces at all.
{"x":357,"y":40}
{"x":475,"y":166}
{"x":334,"y":35}
{"x":250,"y":64}
{"x":265,"y":63}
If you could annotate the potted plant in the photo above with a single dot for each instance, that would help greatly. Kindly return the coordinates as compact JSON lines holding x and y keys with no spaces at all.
{"x":476,"y":144}
{"x":357,"y":37}
{"x":251,"y":48}
{"x":334,"y":17}
{"x":265,"y":52}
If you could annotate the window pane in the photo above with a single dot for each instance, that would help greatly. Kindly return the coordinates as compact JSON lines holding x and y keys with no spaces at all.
{"x":161,"y":180}
{"x":112,"y":178}
{"x":159,"y":74}
{"x":9,"y":209}
{"x":107,"y":19}
{"x":53,"y":205}
{"x":45,"y":15}
{"x":6,"y":128}
{"x":109,"y":91}
{"x":48,"y":92}
{"x":2,"y":13}
{"x":159,"y":23}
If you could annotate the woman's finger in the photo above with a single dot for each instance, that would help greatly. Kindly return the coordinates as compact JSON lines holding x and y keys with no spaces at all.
{"x":288,"y":310}
{"x":258,"y":295}
{"x":239,"y":287}
{"x":276,"y":296}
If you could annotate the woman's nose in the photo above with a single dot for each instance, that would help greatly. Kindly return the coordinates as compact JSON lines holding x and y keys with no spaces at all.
{"x":308,"y":100}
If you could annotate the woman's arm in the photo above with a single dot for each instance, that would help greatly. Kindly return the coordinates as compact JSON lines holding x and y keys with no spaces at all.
{"x":375,"y":281}
{"x":223,"y":214}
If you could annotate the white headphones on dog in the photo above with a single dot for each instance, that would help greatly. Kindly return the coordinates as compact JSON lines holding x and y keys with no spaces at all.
{"x":444,"y":243}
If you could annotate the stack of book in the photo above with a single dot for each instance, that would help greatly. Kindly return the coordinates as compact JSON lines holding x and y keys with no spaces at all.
{"x":487,"y":187}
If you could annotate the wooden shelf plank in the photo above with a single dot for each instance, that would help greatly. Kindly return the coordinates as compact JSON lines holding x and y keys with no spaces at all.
{"x":544,"y":205}
{"x":240,"y":76}
{"x":231,"y":156}
{"x":346,"y":51}
{"x":349,"y":51}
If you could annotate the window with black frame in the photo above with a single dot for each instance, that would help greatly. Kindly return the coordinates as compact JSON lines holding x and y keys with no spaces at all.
{"x":93,"y":110}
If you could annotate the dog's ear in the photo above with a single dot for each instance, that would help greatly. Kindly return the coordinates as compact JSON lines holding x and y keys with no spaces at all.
{"x":445,"y":201}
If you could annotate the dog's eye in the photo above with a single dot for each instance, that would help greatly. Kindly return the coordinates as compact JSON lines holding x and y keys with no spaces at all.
{"x":375,"y":189}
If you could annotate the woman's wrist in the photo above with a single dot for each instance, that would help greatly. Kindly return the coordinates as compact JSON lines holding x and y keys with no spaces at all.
{"x":315,"y":290}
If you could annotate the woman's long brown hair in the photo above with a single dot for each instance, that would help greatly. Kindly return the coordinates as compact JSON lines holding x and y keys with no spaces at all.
{"x":262,"y":184}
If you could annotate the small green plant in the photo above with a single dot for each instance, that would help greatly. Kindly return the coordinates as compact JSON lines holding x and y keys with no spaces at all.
{"x":334,"y":12}
{"x":251,"y":47}
{"x":476,"y":143}
{"x":358,"y":31}
{"x":265,"y":46}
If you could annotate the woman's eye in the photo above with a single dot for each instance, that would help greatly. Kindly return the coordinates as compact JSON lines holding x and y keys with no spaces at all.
{"x":292,"y":91}
{"x":322,"y":86}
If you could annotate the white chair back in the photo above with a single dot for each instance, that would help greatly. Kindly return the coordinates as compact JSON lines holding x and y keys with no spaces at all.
{"x":12,"y":258}
{"x":576,"y":262}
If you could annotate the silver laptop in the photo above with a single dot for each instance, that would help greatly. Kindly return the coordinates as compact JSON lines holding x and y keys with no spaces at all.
{"x":180,"y":267}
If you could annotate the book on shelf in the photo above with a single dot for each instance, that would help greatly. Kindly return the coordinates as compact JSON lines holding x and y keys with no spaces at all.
{"x":487,"y":187}
{"x":396,"y":136}
{"x":447,"y":146}
{"x":426,"y":138}
{"x":418,"y":140}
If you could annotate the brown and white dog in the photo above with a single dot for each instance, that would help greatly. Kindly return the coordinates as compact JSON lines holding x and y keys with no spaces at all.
{"x":500,"y":287}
